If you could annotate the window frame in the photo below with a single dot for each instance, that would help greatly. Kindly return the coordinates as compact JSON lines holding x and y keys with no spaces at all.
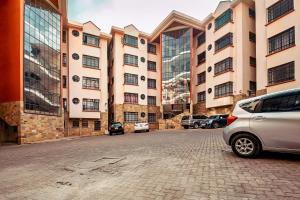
{"x":85,"y":37}
{"x":290,"y":76}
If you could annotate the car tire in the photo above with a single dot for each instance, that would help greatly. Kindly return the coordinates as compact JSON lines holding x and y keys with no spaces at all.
{"x":246,"y":146}
{"x":185,"y":127}
{"x":196,"y":126}
{"x":147,"y":130}
{"x":215,"y":125}
{"x":122,"y":133}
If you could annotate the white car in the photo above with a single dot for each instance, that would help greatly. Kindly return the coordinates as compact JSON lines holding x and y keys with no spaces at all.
{"x":141,"y":126}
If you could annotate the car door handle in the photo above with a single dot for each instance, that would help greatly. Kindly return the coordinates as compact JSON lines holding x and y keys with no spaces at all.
{"x":259,"y":118}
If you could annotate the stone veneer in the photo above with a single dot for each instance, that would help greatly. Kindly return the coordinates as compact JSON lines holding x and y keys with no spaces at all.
{"x":10,"y":112}
{"x":199,"y":108}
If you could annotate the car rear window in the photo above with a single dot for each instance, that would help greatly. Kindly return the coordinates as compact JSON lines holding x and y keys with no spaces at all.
{"x":250,"y":106}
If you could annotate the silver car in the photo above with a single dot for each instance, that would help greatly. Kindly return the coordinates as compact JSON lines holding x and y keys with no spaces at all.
{"x":270,"y":122}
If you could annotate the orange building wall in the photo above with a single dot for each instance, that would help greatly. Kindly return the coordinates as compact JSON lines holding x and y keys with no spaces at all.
{"x":11,"y":50}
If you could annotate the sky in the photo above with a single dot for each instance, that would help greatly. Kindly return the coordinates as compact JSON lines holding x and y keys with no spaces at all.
{"x":142,"y":14}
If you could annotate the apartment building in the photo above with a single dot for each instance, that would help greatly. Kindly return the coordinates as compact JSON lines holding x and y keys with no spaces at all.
{"x":134,"y":78}
{"x":84,"y":75}
{"x":30,"y":104}
{"x":278,"y":50}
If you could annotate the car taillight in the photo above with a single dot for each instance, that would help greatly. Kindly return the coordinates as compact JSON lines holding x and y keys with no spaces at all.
{"x":231,"y":119}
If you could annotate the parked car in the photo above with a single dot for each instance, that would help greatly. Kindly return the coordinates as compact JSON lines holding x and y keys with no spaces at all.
{"x":116,"y":128}
{"x":269,"y":122}
{"x":214,"y":121}
{"x":140,"y":127}
{"x":192,"y":121}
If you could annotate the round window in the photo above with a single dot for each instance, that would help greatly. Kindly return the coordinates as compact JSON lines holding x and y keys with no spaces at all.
{"x":209,"y":26}
{"x":75,"y":101}
{"x":209,"y":69}
{"x":143,"y":96}
{"x":76,"y":78}
{"x":209,"y":47}
{"x":143,"y":78}
{"x":75,"y":33}
{"x":143,"y":59}
{"x":209,"y":90}
{"x":143,"y":41}
{"x":143,"y":114}
{"x":75,"y":56}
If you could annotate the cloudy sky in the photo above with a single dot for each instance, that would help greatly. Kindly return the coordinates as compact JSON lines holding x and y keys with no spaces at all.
{"x":143,"y":14}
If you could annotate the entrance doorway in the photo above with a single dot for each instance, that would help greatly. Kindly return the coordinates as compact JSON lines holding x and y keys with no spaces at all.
{"x":8,"y":134}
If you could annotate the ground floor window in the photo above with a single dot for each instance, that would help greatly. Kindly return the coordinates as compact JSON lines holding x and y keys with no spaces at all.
{"x":152,"y":117}
{"x":130,"y":116}
{"x":75,"y":123}
{"x":85,"y":123}
{"x":97,"y":125}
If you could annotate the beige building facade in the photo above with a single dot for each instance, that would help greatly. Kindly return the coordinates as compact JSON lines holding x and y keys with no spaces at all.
{"x":278,"y":50}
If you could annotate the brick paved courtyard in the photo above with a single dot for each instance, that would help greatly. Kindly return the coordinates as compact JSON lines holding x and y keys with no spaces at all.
{"x":184,"y":164}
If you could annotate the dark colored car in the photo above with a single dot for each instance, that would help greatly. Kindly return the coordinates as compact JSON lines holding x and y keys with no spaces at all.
{"x":214,"y":121}
{"x":116,"y":128}
{"x":193,"y":121}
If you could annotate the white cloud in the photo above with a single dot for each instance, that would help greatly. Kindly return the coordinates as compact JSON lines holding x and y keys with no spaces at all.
{"x":144,"y":14}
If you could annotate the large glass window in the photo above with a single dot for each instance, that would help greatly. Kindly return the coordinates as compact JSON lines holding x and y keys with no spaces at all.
{"x":281,"y":73}
{"x":131,"y":60}
{"x":41,"y":58}
{"x":224,"y":89}
{"x":90,"y":40}
{"x":90,"y":83}
{"x":90,"y":104}
{"x":279,"y":9}
{"x":176,"y":56}
{"x":223,"y":42}
{"x":90,"y":61}
{"x":223,"y":19}
{"x":130,"y":40}
{"x":130,"y":79}
{"x":282,"y":41}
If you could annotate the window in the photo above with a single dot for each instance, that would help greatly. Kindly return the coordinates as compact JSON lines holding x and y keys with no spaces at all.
{"x":152,"y":100}
{"x":201,"y":39}
{"x":279,"y":9}
{"x":90,"y":105}
{"x":90,"y":40}
{"x":224,"y":89}
{"x":252,"y":37}
{"x":90,"y":83}
{"x":151,"y":66}
{"x":75,"y":123}
{"x":130,"y":116}
{"x":151,"y":83}
{"x":131,"y":98}
{"x":65,"y":104}
{"x":282,"y":41}
{"x":131,"y":60}
{"x":90,"y":61}
{"x":85,"y":123}
{"x":201,"y":78}
{"x":152,"y":48}
{"x":151,"y":117}
{"x":201,"y":97}
{"x":223,"y":19}
{"x":252,"y":86}
{"x":130,"y":79}
{"x":64,"y":38}
{"x":64,"y":82}
{"x":250,"y":106}
{"x":282,"y":73}
{"x":252,"y":62}
{"x":223,"y":66}
{"x":201,"y":58}
{"x":65,"y":59}
{"x":130,"y":40}
{"x":97,"y":125}
{"x":223,"y":42}
{"x":285,"y":103}
{"x":252,"y":12}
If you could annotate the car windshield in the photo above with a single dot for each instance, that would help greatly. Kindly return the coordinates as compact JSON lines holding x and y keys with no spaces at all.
{"x":185,"y":117}
{"x":214,"y":117}
{"x":116,"y":125}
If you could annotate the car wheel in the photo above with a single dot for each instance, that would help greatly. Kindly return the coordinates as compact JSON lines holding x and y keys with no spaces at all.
{"x":186,"y":127}
{"x":215,"y":125}
{"x":122,"y":132}
{"x":110,"y":134}
{"x":246,"y":146}
{"x":147,"y":130}
{"x":196,"y":125}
